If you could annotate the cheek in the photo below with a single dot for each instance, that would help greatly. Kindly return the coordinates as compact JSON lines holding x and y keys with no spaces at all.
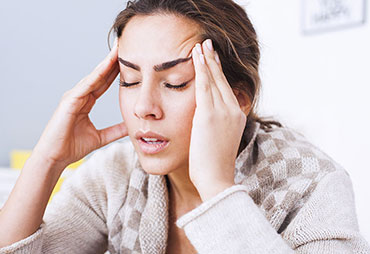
{"x":126,"y":104}
{"x":182,"y":112}
{"x":185,"y":111}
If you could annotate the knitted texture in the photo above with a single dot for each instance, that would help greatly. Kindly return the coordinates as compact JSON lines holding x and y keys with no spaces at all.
{"x":117,"y":206}
{"x":280,"y":170}
{"x":141,"y":224}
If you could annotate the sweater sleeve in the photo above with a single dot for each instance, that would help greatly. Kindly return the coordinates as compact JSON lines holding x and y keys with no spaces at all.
{"x":75,"y":220}
{"x":232,"y":223}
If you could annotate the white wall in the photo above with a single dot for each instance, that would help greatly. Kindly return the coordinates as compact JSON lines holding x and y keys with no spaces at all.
{"x":319,"y":84}
{"x":46,"y":47}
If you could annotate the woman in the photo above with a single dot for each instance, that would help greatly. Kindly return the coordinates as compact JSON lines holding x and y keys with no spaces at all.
{"x":201,"y":172}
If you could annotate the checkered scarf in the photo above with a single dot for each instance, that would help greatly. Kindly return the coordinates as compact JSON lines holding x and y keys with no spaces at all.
{"x":279,"y":167}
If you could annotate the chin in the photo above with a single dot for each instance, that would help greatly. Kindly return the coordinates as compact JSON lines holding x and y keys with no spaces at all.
{"x":162,"y":165}
{"x":156,"y":166}
{"x":155,"y":169}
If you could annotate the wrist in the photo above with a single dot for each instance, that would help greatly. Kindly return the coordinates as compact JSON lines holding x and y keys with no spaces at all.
{"x":213,"y":190}
{"x":42,"y":164}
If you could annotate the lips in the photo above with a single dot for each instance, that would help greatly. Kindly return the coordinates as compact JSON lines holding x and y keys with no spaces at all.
{"x":151,"y":142}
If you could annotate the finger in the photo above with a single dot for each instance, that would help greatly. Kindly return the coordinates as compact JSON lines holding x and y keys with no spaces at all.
{"x":112,"y":76}
{"x":112,"y":133}
{"x":92,"y":97}
{"x":100,"y":74}
{"x":217,"y":97}
{"x":217,"y":74}
{"x":87,"y":101}
{"x":203,"y":92}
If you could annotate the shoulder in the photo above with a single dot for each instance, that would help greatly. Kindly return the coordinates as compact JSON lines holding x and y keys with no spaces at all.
{"x":279,"y":153}
{"x":281,"y":170}
{"x":100,"y":183}
{"x":287,"y":148}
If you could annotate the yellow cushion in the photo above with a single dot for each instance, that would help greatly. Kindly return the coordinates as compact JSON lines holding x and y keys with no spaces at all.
{"x":19,"y":157}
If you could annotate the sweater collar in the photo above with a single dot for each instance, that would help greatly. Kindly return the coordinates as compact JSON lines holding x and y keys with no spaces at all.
{"x":153,"y":218}
{"x":153,"y":230}
{"x":248,"y":157}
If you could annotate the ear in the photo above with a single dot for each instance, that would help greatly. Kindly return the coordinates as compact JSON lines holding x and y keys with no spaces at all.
{"x":244,"y":101}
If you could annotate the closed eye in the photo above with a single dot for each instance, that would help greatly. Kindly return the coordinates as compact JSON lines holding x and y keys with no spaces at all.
{"x":124,"y":84}
{"x":178,"y":86}
{"x":168,"y":85}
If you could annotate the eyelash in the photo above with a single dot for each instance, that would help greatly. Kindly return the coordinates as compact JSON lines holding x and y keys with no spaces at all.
{"x":183,"y":85}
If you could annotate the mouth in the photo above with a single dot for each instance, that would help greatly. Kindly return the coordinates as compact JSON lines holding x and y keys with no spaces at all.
{"x":150,"y":142}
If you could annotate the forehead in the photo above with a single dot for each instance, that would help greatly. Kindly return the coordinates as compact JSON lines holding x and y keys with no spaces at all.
{"x":158,"y":38}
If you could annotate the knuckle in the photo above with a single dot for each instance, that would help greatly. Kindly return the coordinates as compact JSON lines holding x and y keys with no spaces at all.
{"x":219,"y":76}
{"x":237,"y":113}
{"x":204,"y":86}
{"x":99,"y":66}
{"x":242,"y":117}
{"x":83,"y":81}
{"x":223,"y":115}
{"x":112,"y":59}
{"x":101,"y":76}
{"x":209,"y":56}
{"x":210,"y":118}
{"x":66,"y":94}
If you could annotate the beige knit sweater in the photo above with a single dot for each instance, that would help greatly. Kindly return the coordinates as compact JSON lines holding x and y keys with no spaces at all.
{"x":289,"y":197}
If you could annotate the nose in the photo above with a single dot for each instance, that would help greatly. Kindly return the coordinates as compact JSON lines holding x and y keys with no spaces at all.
{"x":148,"y":104}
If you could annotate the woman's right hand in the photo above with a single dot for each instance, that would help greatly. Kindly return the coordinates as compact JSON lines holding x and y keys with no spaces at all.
{"x":70,"y":135}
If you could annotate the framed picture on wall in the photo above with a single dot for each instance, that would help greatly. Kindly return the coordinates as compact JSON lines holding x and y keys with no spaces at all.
{"x":326,"y":15}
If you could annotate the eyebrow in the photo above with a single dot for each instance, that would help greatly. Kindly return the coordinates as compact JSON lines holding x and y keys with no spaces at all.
{"x":158,"y":67}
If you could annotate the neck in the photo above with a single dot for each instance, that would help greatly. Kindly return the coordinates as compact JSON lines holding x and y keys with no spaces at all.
{"x":182,"y":190}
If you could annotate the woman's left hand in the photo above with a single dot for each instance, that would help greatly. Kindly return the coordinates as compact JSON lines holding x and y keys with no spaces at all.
{"x":218,"y":125}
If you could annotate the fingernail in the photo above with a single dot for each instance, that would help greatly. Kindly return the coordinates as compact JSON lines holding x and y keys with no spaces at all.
{"x":199,"y":48}
{"x":209,"y":44}
{"x":217,"y":58}
{"x":201,"y":58}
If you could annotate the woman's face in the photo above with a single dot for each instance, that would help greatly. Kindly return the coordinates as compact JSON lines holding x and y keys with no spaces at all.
{"x":158,"y":116}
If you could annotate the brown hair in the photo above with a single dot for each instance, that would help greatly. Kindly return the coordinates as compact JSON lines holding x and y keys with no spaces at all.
{"x":234,"y":38}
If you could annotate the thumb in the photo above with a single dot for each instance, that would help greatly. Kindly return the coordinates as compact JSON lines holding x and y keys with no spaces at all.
{"x":112,"y":133}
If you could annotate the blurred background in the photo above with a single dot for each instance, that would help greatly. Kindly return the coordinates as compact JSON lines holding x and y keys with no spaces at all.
{"x":314,"y":69}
